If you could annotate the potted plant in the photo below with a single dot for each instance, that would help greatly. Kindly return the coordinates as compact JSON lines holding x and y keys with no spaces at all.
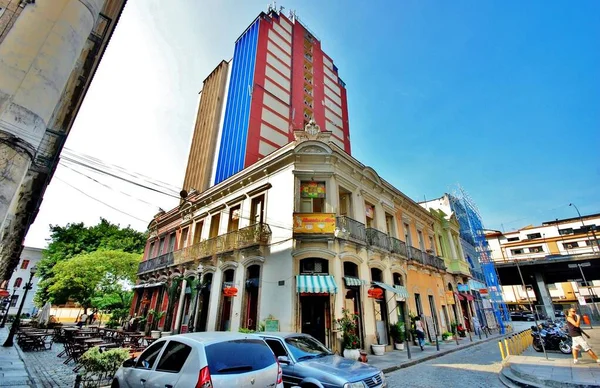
{"x":447,"y":336}
{"x":397,"y":333}
{"x":156,"y":317}
{"x":378,"y":348}
{"x":350,"y":339}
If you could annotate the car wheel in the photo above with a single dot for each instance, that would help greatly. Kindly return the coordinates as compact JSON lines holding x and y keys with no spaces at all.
{"x":115,"y":384}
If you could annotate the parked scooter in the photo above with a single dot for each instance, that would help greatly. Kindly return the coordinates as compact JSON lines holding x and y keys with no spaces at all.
{"x":553,"y":339}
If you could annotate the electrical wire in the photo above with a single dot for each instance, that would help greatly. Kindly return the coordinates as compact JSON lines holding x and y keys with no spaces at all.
{"x":98,"y":200}
{"x":109,"y":187}
{"x":134,"y":174}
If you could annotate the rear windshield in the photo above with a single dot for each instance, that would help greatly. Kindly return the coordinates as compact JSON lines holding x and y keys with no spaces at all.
{"x":239,"y":356}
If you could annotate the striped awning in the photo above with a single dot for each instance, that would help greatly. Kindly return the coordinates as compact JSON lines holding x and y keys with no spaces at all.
{"x":459,"y":296}
{"x":401,"y":291}
{"x":316,"y":284}
{"x":354,"y":282}
{"x":148,"y":285}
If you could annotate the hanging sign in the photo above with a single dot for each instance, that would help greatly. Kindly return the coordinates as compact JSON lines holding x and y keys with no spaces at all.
{"x":462,"y":288}
{"x":375,"y":293}
{"x":449,"y":297}
{"x":230,"y":291}
{"x":312,"y":190}
{"x":484,"y":292}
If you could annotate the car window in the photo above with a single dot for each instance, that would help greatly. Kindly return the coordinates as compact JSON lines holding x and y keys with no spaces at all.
{"x":147,"y":359}
{"x":173,"y":358}
{"x":238,"y":356}
{"x":303,"y":347}
{"x":277,"y":347}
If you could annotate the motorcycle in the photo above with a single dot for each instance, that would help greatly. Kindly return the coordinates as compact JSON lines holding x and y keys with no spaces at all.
{"x":553,"y":339}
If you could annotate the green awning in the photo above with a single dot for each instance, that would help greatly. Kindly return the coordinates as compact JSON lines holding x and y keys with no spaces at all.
{"x":316,"y":284}
{"x":401,"y":291}
{"x":354,"y":282}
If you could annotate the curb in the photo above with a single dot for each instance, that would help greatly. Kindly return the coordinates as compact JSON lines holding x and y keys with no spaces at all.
{"x":29,"y":374}
{"x":439,"y":354}
{"x":516,"y":378}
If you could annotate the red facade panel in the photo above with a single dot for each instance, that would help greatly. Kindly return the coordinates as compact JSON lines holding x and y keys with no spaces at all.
{"x":345,"y":122}
{"x":319,"y":93}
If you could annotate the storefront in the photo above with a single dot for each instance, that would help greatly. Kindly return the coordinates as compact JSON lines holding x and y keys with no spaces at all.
{"x":315,"y":299}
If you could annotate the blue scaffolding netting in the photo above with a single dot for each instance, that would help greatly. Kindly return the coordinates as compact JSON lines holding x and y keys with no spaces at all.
{"x":471,"y":230}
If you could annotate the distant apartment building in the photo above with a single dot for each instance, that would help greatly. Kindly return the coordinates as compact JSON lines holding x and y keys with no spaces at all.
{"x":278,"y":80}
{"x":30,"y":257}
{"x":571,"y":238}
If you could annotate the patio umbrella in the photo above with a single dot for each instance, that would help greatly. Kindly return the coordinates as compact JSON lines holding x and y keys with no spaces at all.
{"x":44,"y":316}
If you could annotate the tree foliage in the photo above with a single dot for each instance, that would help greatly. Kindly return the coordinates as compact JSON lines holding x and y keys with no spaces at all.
{"x":76,"y":239}
{"x":87,"y":276}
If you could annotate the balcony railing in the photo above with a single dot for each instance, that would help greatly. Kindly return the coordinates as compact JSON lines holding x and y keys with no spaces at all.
{"x":398,"y":246}
{"x":350,"y":229}
{"x":434,"y":261}
{"x":161,"y":261}
{"x":377,"y":239}
{"x":253,"y":235}
{"x":415,"y":254}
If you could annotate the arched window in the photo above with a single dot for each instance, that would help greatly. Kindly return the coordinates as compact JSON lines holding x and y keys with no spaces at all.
{"x":376,"y":275}
{"x":18,"y":282}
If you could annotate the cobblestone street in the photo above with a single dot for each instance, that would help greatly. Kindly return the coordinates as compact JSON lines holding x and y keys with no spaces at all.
{"x":44,"y":367}
{"x":475,"y":367}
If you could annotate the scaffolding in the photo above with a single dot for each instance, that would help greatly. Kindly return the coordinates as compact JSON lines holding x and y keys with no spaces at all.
{"x":471,"y":230}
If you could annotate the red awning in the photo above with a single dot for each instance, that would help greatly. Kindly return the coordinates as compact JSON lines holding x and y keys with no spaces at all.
{"x":468,"y":296}
{"x":459,"y":296}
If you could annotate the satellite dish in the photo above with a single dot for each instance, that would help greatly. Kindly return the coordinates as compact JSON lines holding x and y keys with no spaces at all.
{"x":183,"y":194}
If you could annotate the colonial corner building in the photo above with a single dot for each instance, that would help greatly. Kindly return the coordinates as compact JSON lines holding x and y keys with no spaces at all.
{"x":292,"y":239}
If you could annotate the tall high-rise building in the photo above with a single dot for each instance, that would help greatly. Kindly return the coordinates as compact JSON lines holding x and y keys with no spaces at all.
{"x":278,"y":80}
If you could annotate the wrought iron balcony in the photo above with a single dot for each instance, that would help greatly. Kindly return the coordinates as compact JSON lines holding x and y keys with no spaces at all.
{"x":161,"y":261}
{"x":398,"y":246}
{"x":459,"y":267}
{"x":350,"y":229}
{"x":206,"y":251}
{"x":434,"y":261}
{"x":377,"y":239}
{"x":415,"y":254}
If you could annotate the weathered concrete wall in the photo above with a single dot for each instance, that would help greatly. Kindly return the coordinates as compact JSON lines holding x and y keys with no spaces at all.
{"x":37,"y":56}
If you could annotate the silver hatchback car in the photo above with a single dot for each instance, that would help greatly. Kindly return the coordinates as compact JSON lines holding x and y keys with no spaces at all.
{"x":203,"y":360}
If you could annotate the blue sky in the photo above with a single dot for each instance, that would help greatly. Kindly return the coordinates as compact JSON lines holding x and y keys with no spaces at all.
{"x":499,"y":96}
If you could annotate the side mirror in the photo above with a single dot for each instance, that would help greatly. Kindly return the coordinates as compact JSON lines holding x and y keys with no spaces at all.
{"x":284,"y":360}
{"x":129,"y":363}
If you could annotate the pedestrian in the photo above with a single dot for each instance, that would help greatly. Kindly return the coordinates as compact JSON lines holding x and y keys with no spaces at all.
{"x":82,"y":320}
{"x":579,"y":343}
{"x":476,"y":325}
{"x":420,"y":332}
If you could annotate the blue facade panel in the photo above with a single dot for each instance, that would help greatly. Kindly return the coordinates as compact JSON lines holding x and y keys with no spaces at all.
{"x":234,"y":135}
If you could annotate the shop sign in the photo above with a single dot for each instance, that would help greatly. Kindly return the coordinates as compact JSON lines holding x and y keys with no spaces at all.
{"x":581,"y":300}
{"x":463,"y":288}
{"x":184,"y":329}
{"x":449,"y":297}
{"x":314,"y":223}
{"x":484,"y":292}
{"x":312,"y":190}
{"x":271,"y":325}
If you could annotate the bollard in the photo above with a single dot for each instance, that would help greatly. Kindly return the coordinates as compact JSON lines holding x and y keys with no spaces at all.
{"x":437,"y":343}
{"x":501,"y":350}
{"x":77,"y":381}
{"x":506,"y":347}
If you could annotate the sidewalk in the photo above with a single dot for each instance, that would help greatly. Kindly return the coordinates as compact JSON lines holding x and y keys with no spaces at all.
{"x":533,"y":370}
{"x":13,"y":372}
{"x":398,"y":359}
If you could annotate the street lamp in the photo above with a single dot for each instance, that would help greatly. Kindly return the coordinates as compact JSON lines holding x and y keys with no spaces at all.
{"x":16,"y":322}
{"x":590,"y":289}
{"x":535,"y":315}
{"x":586,"y":233}
{"x":5,"y":317}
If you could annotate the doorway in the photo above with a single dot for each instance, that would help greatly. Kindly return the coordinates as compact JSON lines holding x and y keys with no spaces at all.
{"x":203,"y":302}
{"x":226,"y":301}
{"x":251,"y":297}
{"x":314,"y":315}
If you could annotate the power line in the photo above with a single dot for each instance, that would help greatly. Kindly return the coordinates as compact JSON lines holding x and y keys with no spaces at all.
{"x":67,"y":159}
{"x":131,"y":173}
{"x":109,"y":187}
{"x":96,"y":199}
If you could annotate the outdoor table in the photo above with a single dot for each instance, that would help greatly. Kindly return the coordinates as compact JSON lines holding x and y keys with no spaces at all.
{"x":36,"y":340}
{"x":93,"y":341}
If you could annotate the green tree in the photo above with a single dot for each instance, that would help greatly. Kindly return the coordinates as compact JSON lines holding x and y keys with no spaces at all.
{"x":91,"y":275}
{"x":75,"y":239}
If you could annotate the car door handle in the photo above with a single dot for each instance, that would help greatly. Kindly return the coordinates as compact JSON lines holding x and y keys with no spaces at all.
{"x":142,"y":381}
{"x":168,"y":386}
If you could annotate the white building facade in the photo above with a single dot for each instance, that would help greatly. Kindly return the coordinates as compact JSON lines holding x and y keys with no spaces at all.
{"x":16,"y":285}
